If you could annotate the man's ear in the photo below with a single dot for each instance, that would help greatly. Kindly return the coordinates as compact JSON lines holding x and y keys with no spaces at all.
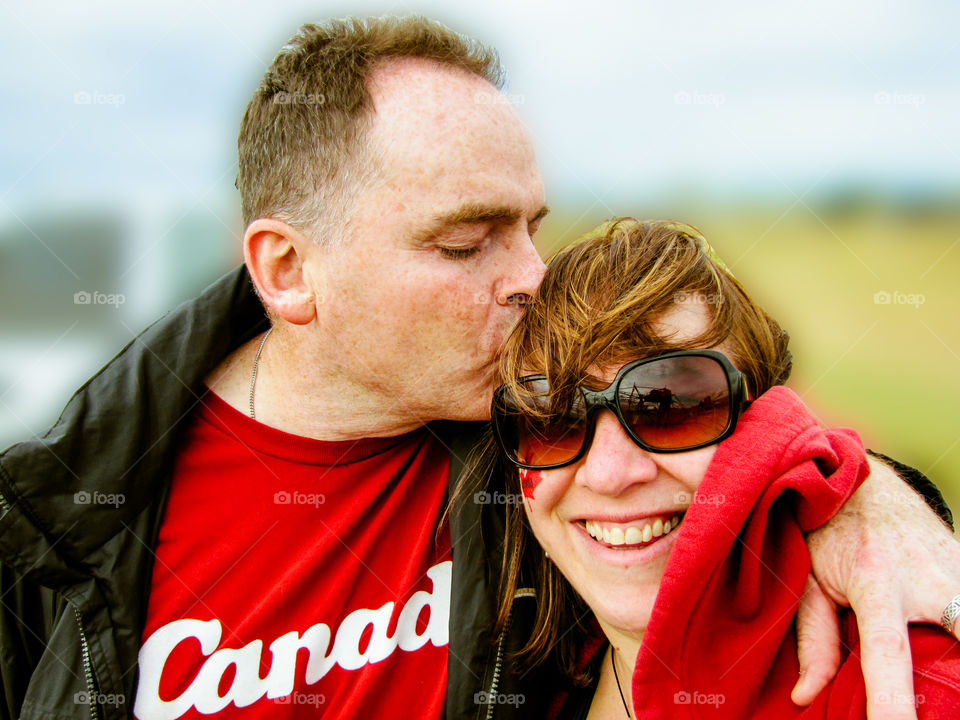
{"x":274,"y":254}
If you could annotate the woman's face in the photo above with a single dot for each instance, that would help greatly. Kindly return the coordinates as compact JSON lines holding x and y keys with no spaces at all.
{"x":607,"y":521}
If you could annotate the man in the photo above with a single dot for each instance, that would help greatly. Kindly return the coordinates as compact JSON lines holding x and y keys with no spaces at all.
{"x":243,"y":522}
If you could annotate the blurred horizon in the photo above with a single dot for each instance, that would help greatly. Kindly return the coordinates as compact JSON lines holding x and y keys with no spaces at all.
{"x":815,"y":145}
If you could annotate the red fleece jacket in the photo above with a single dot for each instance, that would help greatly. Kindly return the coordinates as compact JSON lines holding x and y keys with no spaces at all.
{"x":721,"y":641}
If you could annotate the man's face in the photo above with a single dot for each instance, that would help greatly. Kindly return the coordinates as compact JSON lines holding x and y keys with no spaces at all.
{"x":422,"y":291}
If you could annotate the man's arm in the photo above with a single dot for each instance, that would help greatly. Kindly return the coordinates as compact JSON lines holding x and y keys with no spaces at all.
{"x":893,"y":560}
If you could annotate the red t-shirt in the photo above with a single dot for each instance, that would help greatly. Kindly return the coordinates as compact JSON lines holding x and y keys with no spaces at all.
{"x":296,"y":577}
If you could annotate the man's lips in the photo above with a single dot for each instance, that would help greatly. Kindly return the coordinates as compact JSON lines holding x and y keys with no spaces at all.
{"x":633,"y":533}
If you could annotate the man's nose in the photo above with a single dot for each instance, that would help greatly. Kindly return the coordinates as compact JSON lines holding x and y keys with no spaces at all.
{"x":525,"y":273}
{"x":613,"y":462}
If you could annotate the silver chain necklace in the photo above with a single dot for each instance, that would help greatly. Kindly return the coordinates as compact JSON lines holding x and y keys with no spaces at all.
{"x":256,"y":365}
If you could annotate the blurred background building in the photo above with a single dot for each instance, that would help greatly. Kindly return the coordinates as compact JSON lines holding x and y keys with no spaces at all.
{"x":814,"y":143}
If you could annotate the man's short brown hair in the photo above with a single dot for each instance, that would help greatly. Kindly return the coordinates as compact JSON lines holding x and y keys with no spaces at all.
{"x":301,"y":149}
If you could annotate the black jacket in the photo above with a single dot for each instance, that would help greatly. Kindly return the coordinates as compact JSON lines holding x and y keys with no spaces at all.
{"x":75,"y":575}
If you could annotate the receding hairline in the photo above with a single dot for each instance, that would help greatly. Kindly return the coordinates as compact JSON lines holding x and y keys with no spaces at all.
{"x":398,"y":85}
{"x":391,"y":65}
{"x":327,"y":67}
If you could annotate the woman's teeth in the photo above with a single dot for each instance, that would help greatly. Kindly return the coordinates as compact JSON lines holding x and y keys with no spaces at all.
{"x":632,"y":534}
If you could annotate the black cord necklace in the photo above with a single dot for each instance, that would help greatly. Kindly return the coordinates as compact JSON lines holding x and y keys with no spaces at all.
{"x":617,"y":678}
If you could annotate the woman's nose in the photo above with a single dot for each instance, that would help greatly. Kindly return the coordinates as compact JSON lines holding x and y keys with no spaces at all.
{"x":614,"y":462}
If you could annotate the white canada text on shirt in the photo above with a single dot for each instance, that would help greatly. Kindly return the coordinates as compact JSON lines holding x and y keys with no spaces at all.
{"x":324,"y":650}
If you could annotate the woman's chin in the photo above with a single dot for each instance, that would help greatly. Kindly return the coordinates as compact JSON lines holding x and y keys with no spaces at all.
{"x":629,"y":619}
{"x":620,"y":585}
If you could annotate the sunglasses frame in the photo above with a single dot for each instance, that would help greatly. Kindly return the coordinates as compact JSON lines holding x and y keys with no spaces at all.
{"x":606,"y":399}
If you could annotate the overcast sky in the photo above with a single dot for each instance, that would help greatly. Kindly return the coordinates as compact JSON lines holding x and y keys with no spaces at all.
{"x":117,"y":99}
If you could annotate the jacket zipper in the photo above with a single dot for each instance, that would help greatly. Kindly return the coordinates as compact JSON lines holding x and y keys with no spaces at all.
{"x":495,"y":680}
{"x":87,"y":668}
{"x":84,"y":648}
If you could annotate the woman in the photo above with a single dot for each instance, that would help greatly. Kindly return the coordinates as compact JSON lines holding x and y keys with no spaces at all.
{"x":672,"y":563}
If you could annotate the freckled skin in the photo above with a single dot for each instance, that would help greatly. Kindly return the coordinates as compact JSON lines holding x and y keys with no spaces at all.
{"x":409,"y":325}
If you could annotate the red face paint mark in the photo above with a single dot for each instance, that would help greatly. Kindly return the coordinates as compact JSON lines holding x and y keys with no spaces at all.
{"x":529,"y":479}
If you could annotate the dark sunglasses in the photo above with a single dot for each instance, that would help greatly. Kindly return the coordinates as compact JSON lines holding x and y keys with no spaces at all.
{"x":670,"y":403}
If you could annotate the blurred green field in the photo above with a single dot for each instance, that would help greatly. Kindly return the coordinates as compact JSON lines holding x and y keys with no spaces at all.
{"x":889,"y":369}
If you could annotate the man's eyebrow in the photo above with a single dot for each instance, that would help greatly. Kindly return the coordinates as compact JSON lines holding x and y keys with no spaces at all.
{"x":475,"y":213}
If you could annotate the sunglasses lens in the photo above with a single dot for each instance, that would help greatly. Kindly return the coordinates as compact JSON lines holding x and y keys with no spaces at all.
{"x":668,"y":404}
{"x":676,"y":402}
{"x":545,"y":440}
{"x":549,"y":443}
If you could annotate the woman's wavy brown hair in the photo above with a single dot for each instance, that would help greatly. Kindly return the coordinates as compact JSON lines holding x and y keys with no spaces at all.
{"x":596,"y":307}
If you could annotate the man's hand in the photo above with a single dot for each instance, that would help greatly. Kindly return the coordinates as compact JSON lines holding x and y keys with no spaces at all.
{"x":889,"y":557}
